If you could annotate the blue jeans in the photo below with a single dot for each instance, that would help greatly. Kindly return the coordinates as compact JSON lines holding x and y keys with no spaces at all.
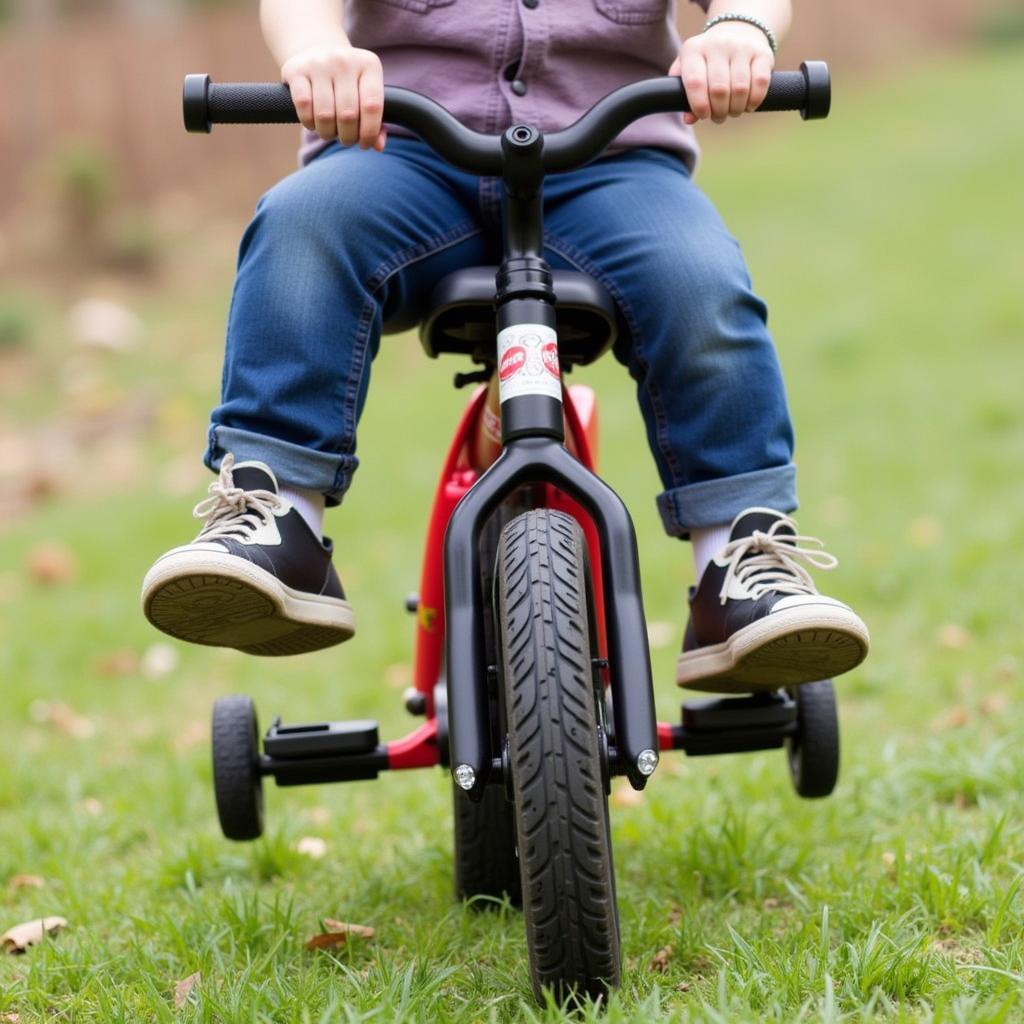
{"x":357,"y":237}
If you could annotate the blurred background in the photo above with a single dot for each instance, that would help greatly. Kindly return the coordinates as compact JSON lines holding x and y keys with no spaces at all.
{"x":889,"y":243}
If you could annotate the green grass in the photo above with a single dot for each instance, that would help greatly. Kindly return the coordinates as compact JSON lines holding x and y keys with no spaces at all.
{"x":888,"y":243}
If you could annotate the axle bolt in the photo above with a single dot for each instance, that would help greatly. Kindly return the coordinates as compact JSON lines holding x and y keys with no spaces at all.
{"x":647,"y":761}
{"x":465,"y":776}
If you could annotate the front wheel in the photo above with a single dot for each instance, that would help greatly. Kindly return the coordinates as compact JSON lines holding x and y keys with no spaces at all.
{"x":545,"y":647}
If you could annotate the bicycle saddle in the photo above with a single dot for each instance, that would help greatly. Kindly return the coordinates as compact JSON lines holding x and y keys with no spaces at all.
{"x":460,"y":316}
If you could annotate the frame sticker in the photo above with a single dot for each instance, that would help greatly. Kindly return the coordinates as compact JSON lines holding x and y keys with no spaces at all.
{"x":528,"y":362}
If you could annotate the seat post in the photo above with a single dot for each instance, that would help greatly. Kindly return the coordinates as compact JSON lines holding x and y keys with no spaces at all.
{"x":529,"y":375}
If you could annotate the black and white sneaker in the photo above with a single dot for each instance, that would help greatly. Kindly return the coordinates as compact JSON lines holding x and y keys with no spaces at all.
{"x":256,"y":578}
{"x":757,"y":621}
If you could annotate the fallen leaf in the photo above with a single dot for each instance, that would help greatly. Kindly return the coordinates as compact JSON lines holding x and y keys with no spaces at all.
{"x":312,"y":846}
{"x":25,"y":882}
{"x":953,"y":637}
{"x":159,"y":660}
{"x":21,"y":936}
{"x":184,"y":987}
{"x":954,"y":718}
{"x":64,"y":718}
{"x":51,"y":564}
{"x":659,"y":962}
{"x":993,"y":704}
{"x":338,"y":933}
{"x":683,"y":986}
{"x":117,"y":664}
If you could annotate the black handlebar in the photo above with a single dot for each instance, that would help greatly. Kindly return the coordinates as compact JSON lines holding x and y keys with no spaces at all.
{"x":207,"y":103}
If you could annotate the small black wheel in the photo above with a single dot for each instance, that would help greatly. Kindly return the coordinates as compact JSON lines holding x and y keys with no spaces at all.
{"x":237,"y":782}
{"x":552,"y":700}
{"x":814,"y":750}
{"x":485,"y":848}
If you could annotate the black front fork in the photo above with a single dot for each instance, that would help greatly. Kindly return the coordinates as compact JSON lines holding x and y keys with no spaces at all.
{"x":534,"y":452}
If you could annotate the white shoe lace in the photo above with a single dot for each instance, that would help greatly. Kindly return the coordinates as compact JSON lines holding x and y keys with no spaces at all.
{"x":231,"y":511}
{"x":771,"y":561}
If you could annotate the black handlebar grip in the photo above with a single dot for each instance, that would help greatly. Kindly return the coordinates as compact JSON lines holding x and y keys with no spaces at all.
{"x":205,"y":103}
{"x":808,"y":90}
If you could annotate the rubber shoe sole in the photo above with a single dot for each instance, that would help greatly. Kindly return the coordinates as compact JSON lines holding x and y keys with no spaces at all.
{"x":226,"y":601}
{"x":786,"y":648}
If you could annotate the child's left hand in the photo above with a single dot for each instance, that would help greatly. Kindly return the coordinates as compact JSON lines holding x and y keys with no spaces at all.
{"x":725,"y":71}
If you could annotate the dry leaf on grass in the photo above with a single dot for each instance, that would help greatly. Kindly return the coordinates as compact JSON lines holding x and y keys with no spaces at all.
{"x":993,"y":704}
{"x":954,"y":718}
{"x":338,"y":933}
{"x":184,"y":987}
{"x":659,"y":962}
{"x":21,"y":936}
{"x":64,"y":718}
{"x":25,"y":882}
{"x":51,"y":563}
{"x":117,"y":664}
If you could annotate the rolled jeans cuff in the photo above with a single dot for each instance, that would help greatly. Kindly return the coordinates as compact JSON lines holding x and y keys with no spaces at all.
{"x":717,"y":502}
{"x":292,"y":464}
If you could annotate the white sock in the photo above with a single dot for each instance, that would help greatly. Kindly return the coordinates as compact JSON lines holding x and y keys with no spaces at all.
{"x":707,"y":542}
{"x":309,"y":505}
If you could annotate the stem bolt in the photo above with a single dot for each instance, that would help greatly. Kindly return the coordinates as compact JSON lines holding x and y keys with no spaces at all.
{"x":647,"y":761}
{"x":466,"y":777}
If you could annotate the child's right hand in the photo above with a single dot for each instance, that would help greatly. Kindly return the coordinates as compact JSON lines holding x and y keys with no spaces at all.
{"x":338,"y":91}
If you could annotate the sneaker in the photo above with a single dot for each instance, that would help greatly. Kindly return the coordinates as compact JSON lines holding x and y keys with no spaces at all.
{"x":256,"y":578}
{"x":757,"y":621}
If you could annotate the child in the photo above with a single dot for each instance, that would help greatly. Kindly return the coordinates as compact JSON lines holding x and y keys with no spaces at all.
{"x":372,"y":221}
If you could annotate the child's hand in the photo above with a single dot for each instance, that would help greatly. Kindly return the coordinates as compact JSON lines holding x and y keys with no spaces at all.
{"x":725,"y":71}
{"x":338,"y":91}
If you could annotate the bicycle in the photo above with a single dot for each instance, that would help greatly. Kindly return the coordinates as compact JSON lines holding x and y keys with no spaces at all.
{"x":532,"y":670}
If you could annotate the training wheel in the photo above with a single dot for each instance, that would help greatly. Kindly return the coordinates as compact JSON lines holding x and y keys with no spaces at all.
{"x":813,"y":751}
{"x":237,"y":782}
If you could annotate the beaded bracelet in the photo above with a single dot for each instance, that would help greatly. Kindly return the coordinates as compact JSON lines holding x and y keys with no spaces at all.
{"x":750,"y":20}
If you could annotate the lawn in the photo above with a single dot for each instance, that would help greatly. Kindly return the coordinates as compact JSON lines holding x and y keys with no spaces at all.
{"x":888,"y":242}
